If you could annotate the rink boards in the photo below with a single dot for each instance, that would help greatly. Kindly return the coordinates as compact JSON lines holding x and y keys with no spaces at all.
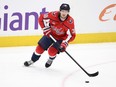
{"x":80,"y":38}
{"x":93,"y":22}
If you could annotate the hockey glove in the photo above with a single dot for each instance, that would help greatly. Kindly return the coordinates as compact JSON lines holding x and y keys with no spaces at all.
{"x":63,"y":46}
{"x":47,"y":31}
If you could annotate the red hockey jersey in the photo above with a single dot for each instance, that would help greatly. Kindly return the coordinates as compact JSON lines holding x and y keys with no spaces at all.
{"x":60,"y":30}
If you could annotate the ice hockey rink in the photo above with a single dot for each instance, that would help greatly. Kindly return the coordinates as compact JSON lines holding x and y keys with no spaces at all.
{"x":63,"y":72}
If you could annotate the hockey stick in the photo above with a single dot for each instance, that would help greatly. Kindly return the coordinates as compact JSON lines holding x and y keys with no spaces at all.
{"x":90,"y":75}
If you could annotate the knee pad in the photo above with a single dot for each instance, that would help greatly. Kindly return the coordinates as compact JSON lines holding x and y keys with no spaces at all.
{"x":39,"y":50}
{"x":52,"y":51}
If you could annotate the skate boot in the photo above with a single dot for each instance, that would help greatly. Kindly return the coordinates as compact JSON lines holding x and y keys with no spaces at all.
{"x":49,"y":63}
{"x":34,"y":58}
{"x":28,"y":63}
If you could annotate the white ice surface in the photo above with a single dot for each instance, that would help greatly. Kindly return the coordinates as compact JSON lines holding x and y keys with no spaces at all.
{"x":63,"y":72}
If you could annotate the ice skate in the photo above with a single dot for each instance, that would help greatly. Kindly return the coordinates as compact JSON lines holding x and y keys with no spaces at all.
{"x":28,"y":63}
{"x":48,"y":63}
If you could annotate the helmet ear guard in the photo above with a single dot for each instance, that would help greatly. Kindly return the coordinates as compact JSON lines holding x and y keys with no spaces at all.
{"x":65,"y":6}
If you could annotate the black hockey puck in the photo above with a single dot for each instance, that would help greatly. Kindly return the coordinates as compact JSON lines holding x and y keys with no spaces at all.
{"x":86,"y":81}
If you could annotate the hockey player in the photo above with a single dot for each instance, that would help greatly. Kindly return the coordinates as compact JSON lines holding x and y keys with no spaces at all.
{"x":60,"y":25}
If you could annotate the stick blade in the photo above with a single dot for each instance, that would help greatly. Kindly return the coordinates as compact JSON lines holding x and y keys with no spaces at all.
{"x":94,"y":74}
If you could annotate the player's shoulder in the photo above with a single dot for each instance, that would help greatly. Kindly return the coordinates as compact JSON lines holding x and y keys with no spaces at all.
{"x":69,"y":21}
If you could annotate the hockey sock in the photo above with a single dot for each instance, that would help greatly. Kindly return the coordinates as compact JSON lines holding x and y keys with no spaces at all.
{"x":52,"y":58}
{"x":35,"y":57}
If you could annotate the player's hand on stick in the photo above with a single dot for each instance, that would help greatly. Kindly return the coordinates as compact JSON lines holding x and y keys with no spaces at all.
{"x":63,"y":46}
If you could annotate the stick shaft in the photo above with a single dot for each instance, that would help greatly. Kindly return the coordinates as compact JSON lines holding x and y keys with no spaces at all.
{"x":91,"y":75}
{"x":76,"y":62}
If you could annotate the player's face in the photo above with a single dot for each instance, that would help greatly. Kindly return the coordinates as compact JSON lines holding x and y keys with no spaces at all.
{"x":64,"y":13}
